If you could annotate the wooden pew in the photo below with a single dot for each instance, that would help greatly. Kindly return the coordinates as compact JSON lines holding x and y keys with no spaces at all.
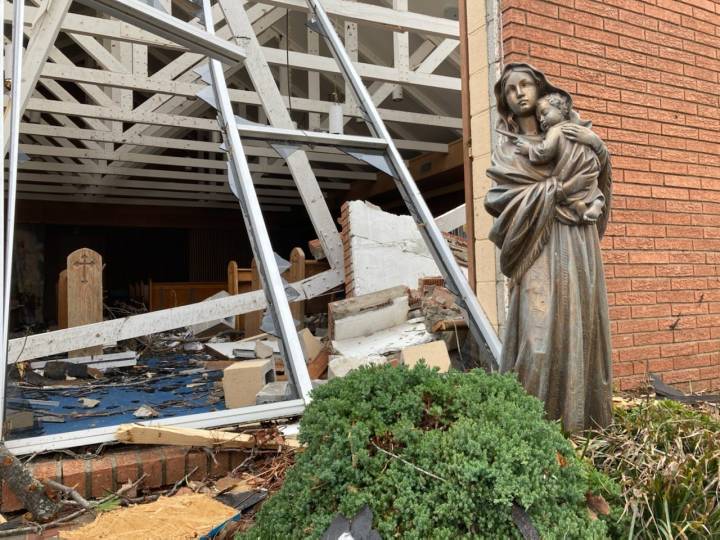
{"x":248,"y":279}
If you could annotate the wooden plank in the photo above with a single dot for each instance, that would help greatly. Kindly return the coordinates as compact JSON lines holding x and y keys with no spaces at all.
{"x":84,"y":293}
{"x":62,"y":315}
{"x":165,"y":295}
{"x":362,"y":12}
{"x":297,"y":273}
{"x":214,"y":438}
{"x":41,"y":41}
{"x":112,"y":331}
{"x":254,"y":318}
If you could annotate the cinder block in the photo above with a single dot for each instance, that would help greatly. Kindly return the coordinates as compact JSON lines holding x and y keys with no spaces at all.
{"x":276,"y":391}
{"x":243,"y":380}
{"x":339,"y":366}
{"x":435,"y":354}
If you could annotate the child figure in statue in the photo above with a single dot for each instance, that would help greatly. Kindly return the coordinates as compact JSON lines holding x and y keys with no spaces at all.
{"x":580,"y":193}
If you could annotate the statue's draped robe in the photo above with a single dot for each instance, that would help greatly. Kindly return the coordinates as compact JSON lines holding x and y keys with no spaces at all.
{"x":557,"y":337}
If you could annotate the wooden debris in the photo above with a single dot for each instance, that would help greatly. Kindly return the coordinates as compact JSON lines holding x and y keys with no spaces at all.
{"x":139,"y":434}
{"x":449,"y":325}
{"x":318,"y":365}
{"x":23,"y":484}
{"x":180,"y":517}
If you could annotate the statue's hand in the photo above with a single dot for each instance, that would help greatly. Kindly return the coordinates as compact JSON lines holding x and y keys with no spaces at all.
{"x":583,"y":135}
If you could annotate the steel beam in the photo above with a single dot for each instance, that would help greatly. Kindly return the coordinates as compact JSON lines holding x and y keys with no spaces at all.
{"x":15,"y":96}
{"x":478,"y":322}
{"x":241,"y":183}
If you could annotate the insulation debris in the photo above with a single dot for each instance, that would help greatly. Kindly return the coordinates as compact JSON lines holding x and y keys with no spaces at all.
{"x":187,"y":516}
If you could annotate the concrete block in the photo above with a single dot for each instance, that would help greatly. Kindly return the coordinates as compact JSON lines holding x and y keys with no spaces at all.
{"x":242,"y":349}
{"x":339,"y":366}
{"x":276,"y":391}
{"x":435,"y":354}
{"x":243,"y":380}
{"x":311,"y":345}
{"x":364,"y":315}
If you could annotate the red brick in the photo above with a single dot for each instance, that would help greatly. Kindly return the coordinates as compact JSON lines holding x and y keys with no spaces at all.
{"x":74,"y":476}
{"x":193,"y":459}
{"x":660,"y":364}
{"x":653,"y":338}
{"x":101,"y":476}
{"x":694,"y":361}
{"x":684,"y":375}
{"x":647,"y":77}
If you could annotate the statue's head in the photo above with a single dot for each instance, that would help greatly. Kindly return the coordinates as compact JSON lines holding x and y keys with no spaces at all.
{"x":518,"y":90}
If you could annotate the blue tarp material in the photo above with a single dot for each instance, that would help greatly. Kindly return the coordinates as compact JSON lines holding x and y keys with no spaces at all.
{"x":166,"y":392}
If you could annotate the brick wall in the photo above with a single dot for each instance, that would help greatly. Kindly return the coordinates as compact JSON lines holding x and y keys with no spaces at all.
{"x":647,"y":74}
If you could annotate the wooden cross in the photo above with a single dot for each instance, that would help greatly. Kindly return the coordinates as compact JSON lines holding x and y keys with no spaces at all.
{"x":84,"y":264}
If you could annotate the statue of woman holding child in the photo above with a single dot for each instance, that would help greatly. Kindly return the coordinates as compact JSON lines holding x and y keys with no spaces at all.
{"x":551,"y":200}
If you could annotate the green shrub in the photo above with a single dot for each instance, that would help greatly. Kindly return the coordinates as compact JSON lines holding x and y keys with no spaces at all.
{"x":666,"y":458}
{"x":467,"y":446}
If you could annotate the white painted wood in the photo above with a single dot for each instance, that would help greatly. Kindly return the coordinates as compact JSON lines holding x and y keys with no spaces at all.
{"x":401,"y":50}
{"x":175,"y":87}
{"x":87,"y":188}
{"x":145,"y":184}
{"x":322,"y":155}
{"x":313,"y":47}
{"x":42,"y":40}
{"x":135,"y":201}
{"x":113,"y":331}
{"x":369,"y":71}
{"x":158,"y":173}
{"x":452,"y":219}
{"x":372,"y":14}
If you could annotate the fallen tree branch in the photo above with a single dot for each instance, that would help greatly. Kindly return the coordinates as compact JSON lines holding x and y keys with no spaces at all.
{"x":431,"y":475}
{"x":26,"y":487}
{"x":74,"y":495}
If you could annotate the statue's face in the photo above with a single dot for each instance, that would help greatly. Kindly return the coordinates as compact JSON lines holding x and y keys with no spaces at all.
{"x":521,"y":93}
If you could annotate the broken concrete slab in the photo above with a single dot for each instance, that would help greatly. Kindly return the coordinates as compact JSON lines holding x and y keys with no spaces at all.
{"x":385,"y":342}
{"x":434,"y":354}
{"x":215,"y":326}
{"x":383,"y":250}
{"x":339,"y":366}
{"x":364,"y":315}
{"x":243,"y":380}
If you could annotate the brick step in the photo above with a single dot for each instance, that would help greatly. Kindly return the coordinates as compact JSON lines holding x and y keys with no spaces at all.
{"x":97,"y":477}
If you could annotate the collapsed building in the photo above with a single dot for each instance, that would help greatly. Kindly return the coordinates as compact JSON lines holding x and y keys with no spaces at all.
{"x":210,"y":213}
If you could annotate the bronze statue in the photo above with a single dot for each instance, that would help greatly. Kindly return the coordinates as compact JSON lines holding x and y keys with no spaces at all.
{"x":551,"y":201}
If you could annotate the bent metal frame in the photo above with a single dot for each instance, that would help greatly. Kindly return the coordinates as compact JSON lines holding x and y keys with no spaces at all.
{"x":379,"y":151}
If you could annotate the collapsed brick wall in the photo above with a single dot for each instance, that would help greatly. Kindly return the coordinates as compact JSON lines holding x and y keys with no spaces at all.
{"x":647,"y":74}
